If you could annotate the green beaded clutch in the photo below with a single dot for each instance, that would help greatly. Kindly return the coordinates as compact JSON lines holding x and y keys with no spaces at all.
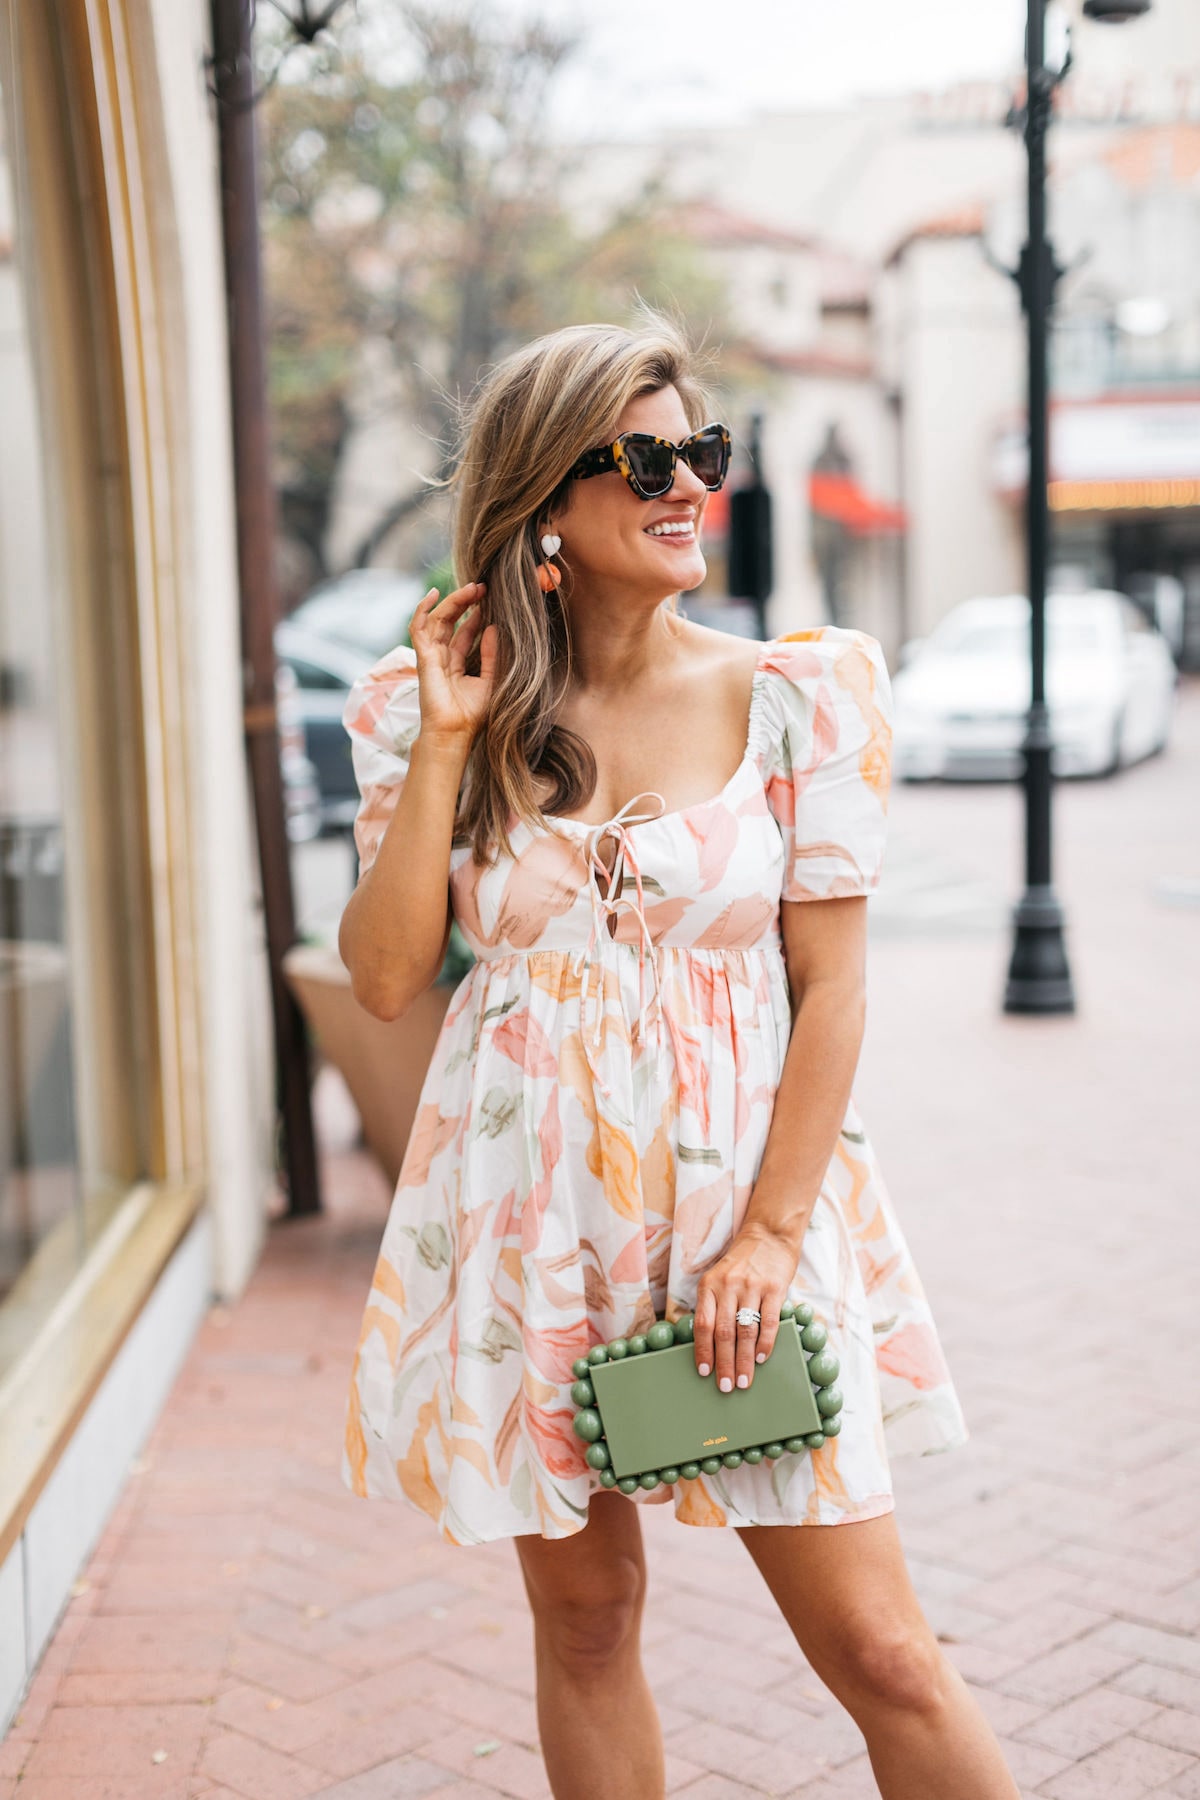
{"x":646,"y":1416}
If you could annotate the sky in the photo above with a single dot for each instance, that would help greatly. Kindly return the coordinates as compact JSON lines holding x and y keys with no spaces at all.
{"x":649,"y":65}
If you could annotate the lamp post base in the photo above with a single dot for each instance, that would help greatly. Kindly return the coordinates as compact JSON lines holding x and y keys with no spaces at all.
{"x":1039,"y":978}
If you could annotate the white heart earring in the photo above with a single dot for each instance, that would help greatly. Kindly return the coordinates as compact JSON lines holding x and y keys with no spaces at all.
{"x":548,"y":576}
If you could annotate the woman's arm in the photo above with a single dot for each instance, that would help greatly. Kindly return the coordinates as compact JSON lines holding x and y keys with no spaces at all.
{"x":393,"y":932}
{"x":825,"y":950}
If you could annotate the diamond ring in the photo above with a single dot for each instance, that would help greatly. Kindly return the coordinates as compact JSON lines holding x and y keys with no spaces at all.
{"x":746,"y":1315}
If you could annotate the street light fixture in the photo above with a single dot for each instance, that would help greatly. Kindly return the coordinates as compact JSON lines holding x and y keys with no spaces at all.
{"x":1039,"y":978}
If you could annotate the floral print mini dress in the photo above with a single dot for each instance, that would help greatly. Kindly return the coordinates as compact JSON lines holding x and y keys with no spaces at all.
{"x":594,"y":1117}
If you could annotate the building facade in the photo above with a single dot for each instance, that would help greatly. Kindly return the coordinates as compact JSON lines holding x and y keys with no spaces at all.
{"x":1125,"y":385}
{"x":136,"y":1078}
{"x":866,"y":267}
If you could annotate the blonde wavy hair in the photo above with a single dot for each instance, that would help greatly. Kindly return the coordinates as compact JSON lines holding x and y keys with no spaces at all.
{"x":529,"y":422}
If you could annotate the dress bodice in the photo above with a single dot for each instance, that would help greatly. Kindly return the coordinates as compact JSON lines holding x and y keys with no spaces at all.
{"x":707,"y":875}
{"x":801,"y":818}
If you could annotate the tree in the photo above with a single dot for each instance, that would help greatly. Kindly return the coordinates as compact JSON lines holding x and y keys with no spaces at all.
{"x":414,"y":201}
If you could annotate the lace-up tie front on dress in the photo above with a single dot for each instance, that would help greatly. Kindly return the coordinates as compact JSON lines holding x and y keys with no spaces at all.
{"x":607,"y":904}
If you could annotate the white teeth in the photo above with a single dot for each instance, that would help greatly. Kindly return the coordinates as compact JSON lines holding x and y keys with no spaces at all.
{"x":671,"y":528}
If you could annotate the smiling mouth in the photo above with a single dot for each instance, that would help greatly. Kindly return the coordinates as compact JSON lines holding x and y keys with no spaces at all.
{"x":674,"y":531}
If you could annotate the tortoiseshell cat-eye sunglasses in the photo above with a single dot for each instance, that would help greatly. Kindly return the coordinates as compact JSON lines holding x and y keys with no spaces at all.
{"x":648,"y":463}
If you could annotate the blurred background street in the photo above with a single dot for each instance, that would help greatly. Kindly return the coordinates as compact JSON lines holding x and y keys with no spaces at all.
{"x":251,"y":260}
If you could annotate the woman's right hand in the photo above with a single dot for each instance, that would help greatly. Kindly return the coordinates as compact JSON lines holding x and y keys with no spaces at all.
{"x":453,"y":703}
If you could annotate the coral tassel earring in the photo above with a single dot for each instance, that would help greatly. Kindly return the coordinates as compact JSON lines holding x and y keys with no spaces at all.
{"x":548,"y":576}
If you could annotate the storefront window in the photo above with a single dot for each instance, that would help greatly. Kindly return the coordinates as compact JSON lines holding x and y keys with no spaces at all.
{"x":38,"y":1151}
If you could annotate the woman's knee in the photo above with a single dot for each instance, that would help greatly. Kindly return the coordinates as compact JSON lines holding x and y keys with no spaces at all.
{"x":588,"y":1625}
{"x":890,"y":1663}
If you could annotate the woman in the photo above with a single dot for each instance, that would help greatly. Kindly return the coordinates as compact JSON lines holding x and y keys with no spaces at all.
{"x":640,"y":1102}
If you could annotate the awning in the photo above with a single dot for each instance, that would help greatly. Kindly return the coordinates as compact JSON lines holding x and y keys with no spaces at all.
{"x":716,"y":513}
{"x":1110,"y":453}
{"x":837,"y":496}
{"x":1122,"y":496}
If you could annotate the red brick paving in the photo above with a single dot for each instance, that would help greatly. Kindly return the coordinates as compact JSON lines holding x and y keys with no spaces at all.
{"x":248,"y":1631}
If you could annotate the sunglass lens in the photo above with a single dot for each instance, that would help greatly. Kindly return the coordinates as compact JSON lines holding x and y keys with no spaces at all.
{"x":708,"y":458}
{"x":653,"y":465}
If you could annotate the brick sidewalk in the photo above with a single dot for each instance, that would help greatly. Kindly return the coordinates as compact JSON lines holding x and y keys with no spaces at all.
{"x":247,"y":1631}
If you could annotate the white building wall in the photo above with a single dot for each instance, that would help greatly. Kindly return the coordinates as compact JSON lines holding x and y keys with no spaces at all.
{"x":787,"y":430}
{"x":773,"y":293}
{"x":801,"y":410}
{"x":958,"y":347}
{"x":70,"y":1513}
{"x":859,"y":176}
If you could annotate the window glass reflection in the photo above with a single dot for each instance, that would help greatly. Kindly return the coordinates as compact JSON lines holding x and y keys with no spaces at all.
{"x":38,"y":1179}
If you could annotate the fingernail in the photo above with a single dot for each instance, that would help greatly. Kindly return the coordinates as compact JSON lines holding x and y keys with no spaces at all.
{"x":761,"y":1356}
{"x":743,"y":1381}
{"x":703,"y":1368}
{"x":725,"y":1384}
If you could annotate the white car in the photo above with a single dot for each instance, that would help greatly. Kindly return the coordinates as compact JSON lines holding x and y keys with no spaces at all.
{"x":367,"y":610}
{"x":962,"y":693}
{"x":318,"y":676}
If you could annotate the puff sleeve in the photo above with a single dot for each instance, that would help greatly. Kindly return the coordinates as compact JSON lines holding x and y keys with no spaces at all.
{"x":383,"y":717}
{"x":827,"y":759}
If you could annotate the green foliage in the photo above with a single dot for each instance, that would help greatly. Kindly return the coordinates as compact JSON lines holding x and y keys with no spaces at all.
{"x":459,"y":957}
{"x":441,"y":576}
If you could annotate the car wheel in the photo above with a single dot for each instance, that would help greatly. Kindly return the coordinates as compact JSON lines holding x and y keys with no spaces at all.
{"x":1113,"y":764}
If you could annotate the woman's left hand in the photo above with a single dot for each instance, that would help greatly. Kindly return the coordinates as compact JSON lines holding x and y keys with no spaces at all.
{"x":756,"y":1271}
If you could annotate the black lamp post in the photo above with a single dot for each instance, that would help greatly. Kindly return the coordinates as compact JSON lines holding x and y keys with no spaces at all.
{"x":1039,"y":978}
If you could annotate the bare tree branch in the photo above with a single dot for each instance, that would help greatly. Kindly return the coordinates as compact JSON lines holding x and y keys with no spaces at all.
{"x":388,"y":520}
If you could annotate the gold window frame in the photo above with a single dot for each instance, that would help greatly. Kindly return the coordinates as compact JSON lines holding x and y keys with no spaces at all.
{"x":97,"y":185}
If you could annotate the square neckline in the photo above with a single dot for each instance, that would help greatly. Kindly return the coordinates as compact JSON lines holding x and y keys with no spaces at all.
{"x":757,"y":688}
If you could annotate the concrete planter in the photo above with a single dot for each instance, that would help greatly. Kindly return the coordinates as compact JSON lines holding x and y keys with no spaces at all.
{"x":383,"y":1065}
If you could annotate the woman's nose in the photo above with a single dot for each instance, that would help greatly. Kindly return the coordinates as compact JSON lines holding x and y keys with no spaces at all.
{"x":688,"y":485}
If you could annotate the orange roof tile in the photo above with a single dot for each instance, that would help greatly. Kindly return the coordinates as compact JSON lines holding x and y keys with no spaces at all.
{"x":964,"y":221}
{"x":717,"y":225}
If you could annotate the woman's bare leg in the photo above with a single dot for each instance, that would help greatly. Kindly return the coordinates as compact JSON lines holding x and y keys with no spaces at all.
{"x":845,"y":1592}
{"x":599,"y":1728}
